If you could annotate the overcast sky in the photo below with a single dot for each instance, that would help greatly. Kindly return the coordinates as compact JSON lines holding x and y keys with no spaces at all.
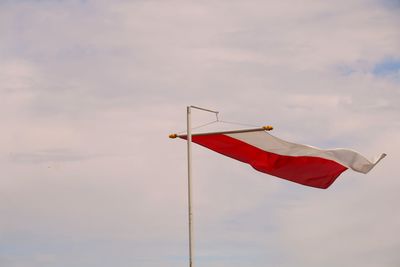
{"x":90,"y":90}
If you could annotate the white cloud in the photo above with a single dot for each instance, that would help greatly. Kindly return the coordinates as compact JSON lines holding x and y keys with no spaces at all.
{"x":90,"y":90}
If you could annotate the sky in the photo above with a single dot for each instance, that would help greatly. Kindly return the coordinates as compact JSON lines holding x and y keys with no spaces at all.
{"x":90,"y":90}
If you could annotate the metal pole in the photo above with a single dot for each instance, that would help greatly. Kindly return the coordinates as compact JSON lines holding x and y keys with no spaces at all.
{"x":189,"y":157}
{"x":264,"y":128}
{"x":205,"y":109}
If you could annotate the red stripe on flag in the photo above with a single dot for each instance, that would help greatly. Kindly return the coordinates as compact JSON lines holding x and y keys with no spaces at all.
{"x":306,"y":170}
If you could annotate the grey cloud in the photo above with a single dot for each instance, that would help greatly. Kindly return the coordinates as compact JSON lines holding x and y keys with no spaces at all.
{"x":96,"y":87}
{"x":51,"y":156}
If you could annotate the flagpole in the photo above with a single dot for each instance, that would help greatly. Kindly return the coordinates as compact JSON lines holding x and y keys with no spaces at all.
{"x":189,"y":158}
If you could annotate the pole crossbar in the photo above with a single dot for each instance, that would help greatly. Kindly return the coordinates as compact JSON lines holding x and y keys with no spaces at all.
{"x":264,"y":128}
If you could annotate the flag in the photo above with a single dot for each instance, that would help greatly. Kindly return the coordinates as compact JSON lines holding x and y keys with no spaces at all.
{"x":298,"y":163}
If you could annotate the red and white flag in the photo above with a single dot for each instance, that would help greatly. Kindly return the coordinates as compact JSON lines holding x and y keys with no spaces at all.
{"x":298,"y":163}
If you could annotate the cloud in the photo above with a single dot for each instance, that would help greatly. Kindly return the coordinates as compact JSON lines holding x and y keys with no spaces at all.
{"x":45,"y":156}
{"x":92,"y":89}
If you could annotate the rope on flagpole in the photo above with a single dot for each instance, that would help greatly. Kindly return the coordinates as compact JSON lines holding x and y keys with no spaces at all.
{"x":200,"y":126}
{"x":238,"y":123}
{"x":258,"y":129}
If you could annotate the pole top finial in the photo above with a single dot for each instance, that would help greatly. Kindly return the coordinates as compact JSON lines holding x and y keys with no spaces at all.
{"x":173,"y":136}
